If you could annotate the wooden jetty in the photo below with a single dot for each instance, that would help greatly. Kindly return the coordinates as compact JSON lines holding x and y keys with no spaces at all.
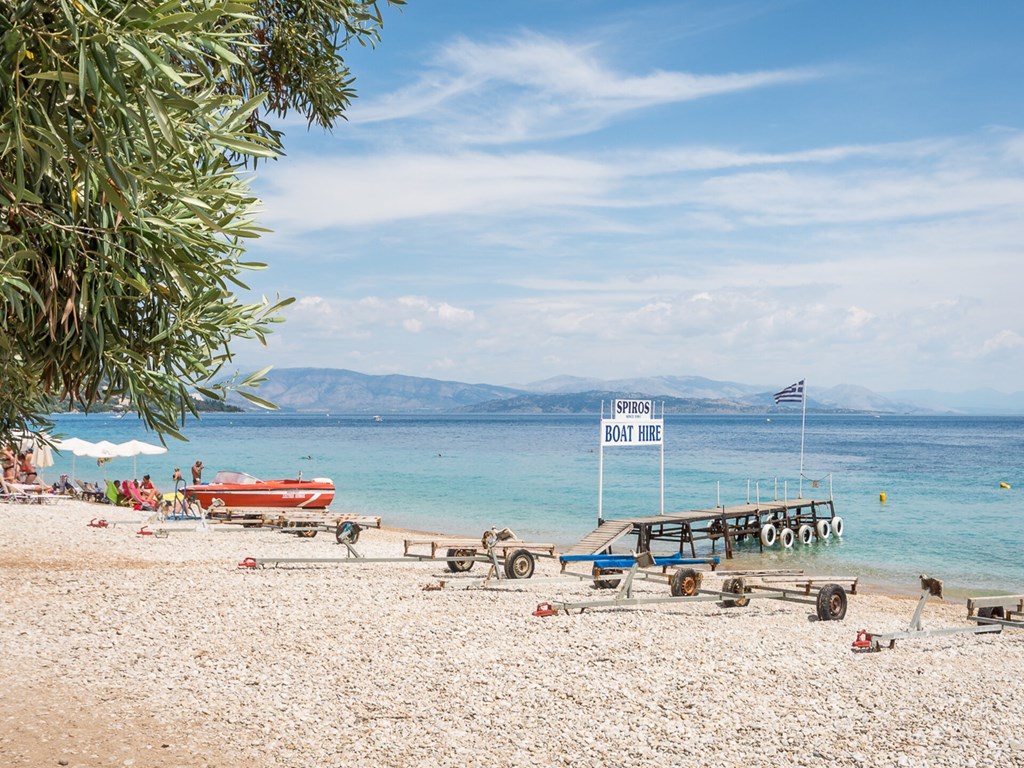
{"x":789,"y":521}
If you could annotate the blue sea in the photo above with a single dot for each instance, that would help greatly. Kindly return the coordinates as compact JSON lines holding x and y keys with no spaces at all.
{"x":945,"y":513}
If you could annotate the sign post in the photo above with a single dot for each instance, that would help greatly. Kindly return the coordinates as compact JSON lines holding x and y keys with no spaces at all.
{"x":632,"y":423}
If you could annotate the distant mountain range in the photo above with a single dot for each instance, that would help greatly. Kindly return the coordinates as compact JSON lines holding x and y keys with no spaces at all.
{"x":343,"y":391}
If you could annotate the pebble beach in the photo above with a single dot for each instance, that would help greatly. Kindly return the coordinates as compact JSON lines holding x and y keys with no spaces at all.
{"x":121,"y":650}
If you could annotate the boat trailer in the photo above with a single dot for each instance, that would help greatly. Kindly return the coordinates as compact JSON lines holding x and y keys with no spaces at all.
{"x":507,"y":557}
{"x":305,"y":523}
{"x":685,"y":586}
{"x":990,"y":616}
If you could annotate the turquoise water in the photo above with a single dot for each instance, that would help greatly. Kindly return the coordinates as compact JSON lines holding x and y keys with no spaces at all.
{"x":945,"y":513}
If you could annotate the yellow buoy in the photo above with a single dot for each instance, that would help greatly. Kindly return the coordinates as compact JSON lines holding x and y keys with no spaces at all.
{"x":881,"y":497}
{"x":1004,"y":485}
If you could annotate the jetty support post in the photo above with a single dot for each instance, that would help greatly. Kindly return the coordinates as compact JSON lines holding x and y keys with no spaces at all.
{"x":600,"y":475}
{"x":662,"y":512}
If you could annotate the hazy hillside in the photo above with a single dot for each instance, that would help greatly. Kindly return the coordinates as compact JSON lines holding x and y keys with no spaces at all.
{"x":590,"y":402}
{"x":344,"y":391}
{"x":668,"y":386}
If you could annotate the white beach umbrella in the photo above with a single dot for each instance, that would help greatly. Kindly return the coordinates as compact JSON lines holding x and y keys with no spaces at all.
{"x":104,"y":450}
{"x":134,"y":447}
{"x":72,"y":444}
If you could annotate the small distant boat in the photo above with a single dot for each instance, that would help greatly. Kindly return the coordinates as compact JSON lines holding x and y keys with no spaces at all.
{"x":239,"y":489}
{"x":377,"y":419}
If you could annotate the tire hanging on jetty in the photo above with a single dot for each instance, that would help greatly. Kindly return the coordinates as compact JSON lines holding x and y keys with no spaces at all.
{"x":805,"y":533}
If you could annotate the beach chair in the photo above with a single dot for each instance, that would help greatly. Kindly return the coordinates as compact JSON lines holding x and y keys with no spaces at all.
{"x":136,"y":500}
{"x":114,"y":495}
{"x":21,"y":493}
{"x":91,"y":491}
{"x":64,"y":487}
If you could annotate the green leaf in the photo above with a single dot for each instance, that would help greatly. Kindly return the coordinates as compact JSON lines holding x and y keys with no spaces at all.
{"x":258,"y":400}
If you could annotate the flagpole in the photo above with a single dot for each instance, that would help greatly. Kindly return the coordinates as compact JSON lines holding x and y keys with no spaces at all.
{"x":803,"y":423}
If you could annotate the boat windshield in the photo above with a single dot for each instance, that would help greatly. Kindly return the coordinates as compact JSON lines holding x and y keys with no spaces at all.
{"x":227,"y":476}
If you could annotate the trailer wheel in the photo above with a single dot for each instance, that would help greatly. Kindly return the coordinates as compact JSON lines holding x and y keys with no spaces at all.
{"x":768,"y":534}
{"x":805,"y":534}
{"x":837,"y":526}
{"x":737,"y":586}
{"x":787,"y":537}
{"x":347,"y":532}
{"x":519,"y":565}
{"x":831,"y":603}
{"x":460,"y":566}
{"x":824,"y":529}
{"x":602,"y":583}
{"x":685,"y":582}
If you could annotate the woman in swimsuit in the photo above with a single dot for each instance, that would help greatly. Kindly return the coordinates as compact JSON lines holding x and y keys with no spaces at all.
{"x":26,"y":472}
{"x":9,"y":462}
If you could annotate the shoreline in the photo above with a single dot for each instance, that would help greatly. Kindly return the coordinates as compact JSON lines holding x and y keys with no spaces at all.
{"x":873,"y":585}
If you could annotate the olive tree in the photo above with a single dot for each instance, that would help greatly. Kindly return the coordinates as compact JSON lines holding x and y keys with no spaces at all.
{"x":128,"y":133}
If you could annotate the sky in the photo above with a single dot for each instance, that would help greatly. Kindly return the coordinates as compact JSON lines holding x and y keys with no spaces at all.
{"x":747,"y":191}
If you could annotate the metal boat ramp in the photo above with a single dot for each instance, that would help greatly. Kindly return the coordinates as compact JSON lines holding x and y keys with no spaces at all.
{"x":773,"y":522}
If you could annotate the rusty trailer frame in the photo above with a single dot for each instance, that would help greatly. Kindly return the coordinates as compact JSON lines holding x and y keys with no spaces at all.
{"x":685,"y":586}
{"x":990,"y":615}
{"x":507,"y":559}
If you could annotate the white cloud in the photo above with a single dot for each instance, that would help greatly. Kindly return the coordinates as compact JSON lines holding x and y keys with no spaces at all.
{"x":377,"y":189}
{"x":682,"y":188}
{"x":415,"y":314}
{"x":454,"y":315}
{"x":857,"y":319}
{"x":1003,"y":341}
{"x":548,"y":88}
{"x":790,"y":198}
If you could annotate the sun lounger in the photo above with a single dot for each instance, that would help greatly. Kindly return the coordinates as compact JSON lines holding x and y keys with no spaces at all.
{"x":21,"y":492}
{"x":91,"y":491}
{"x":136,"y":500}
{"x":114,"y":495}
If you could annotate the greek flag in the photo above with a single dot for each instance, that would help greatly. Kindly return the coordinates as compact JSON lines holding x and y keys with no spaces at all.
{"x":794,"y":393}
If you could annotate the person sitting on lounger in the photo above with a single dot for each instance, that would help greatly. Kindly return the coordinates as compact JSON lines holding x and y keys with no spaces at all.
{"x":148,"y":491}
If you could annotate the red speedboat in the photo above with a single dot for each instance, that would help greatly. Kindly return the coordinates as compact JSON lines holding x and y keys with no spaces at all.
{"x":238,"y":489}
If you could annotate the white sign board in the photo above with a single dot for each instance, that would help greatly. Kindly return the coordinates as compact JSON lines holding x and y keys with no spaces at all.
{"x":633,"y":410}
{"x":632,"y":431}
{"x":632,"y":422}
